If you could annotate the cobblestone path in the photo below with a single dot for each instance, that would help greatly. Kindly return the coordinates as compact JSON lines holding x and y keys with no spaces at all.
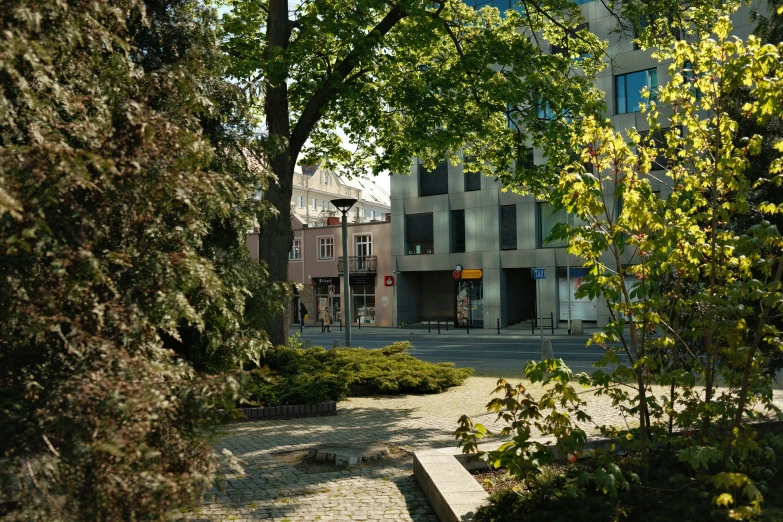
{"x":276,"y":488}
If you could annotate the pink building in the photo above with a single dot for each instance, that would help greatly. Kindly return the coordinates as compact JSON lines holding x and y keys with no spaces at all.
{"x":316,"y":261}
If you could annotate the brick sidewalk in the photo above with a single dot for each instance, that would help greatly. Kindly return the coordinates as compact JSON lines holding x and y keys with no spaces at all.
{"x":275,"y":490}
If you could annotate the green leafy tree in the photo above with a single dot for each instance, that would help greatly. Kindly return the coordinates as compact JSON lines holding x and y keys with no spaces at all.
{"x":406,"y":79}
{"x":685,"y":239}
{"x":119,"y":155}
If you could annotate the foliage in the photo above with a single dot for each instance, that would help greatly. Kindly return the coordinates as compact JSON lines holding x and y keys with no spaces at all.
{"x":309,"y":375}
{"x":551,"y":415}
{"x":114,"y":175}
{"x":406,"y":79}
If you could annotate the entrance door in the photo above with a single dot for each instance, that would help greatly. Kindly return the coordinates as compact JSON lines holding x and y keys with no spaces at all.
{"x":363,"y":249}
{"x":470,"y":303}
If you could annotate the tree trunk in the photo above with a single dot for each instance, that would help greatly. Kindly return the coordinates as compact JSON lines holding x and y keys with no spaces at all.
{"x":276,"y":235}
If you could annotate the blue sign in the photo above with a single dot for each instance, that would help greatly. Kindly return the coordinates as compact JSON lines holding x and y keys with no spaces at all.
{"x":539,"y":273}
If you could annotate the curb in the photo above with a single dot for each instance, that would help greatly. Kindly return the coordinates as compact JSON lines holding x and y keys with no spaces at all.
{"x":288,"y":411}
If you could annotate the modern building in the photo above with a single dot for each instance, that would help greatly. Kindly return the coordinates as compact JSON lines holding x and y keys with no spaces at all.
{"x":314,"y":187}
{"x":447,"y":219}
{"x":316,"y":263}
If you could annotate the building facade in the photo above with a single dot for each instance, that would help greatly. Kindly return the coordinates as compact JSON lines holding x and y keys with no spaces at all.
{"x":314,"y":187}
{"x":316,"y":260}
{"x":449,"y":224}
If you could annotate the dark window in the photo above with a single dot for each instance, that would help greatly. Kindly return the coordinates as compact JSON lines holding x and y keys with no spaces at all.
{"x":690,"y":78}
{"x":508,"y":227}
{"x":419,"y":234}
{"x":628,"y":90}
{"x":548,"y":217}
{"x":472,"y":179}
{"x":432,"y":183}
{"x":457,"y":231}
{"x":563,"y":50}
{"x":525,"y":159}
{"x":659,"y":141}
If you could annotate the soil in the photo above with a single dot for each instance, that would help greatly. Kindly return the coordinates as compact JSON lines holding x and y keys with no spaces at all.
{"x":499,"y":480}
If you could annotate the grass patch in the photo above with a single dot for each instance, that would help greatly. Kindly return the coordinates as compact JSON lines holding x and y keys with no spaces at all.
{"x":311,"y":375}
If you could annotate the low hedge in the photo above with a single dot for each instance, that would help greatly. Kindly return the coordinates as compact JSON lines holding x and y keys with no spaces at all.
{"x":311,"y":375}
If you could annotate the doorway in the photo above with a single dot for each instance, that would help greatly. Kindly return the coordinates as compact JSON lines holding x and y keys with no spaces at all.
{"x":470,"y":303}
{"x":363,"y":250}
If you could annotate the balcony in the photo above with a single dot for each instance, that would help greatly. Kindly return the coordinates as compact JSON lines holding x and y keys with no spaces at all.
{"x":359,"y":264}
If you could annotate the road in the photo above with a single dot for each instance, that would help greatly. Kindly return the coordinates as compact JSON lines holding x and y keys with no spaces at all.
{"x":483,"y":350}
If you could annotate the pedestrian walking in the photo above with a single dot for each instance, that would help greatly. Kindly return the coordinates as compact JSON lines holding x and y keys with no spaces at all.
{"x":302,"y":314}
{"x":328,"y":319}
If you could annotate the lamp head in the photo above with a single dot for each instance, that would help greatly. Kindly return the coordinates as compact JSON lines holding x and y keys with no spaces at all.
{"x":344,"y":204}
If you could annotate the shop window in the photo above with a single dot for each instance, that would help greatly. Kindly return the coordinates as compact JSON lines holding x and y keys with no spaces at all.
{"x":295,"y":253}
{"x":508,"y":227}
{"x":325,"y":248}
{"x":419,"y":234}
{"x":363,"y":303}
{"x":548,"y":217}
{"x":457,"y":231}
{"x":628,"y":90}
{"x":435,"y":182}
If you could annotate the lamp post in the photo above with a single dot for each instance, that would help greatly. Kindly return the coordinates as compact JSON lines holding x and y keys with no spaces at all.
{"x":344,"y":205}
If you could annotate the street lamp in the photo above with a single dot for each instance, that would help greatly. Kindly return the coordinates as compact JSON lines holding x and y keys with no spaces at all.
{"x":344,"y":205}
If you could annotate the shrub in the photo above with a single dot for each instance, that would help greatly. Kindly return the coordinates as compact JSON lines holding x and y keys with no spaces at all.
{"x":309,"y":375}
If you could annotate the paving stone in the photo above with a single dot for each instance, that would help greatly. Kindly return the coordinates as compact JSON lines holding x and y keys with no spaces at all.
{"x":377,"y":492}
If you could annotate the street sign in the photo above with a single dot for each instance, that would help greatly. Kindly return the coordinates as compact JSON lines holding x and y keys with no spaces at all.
{"x":388,"y":281}
{"x":539,"y":273}
{"x":472,"y":273}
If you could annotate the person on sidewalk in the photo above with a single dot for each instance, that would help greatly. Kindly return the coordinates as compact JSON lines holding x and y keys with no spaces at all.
{"x":302,"y":314}
{"x":327,"y":319}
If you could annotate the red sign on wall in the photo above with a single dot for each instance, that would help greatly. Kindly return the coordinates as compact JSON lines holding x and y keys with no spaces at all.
{"x":388,"y":280}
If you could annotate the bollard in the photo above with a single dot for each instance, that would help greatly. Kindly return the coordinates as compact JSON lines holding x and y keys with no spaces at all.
{"x":359,"y":320}
{"x":552,"y":322}
{"x":301,"y":326}
{"x":335,"y":343}
{"x":468,"y":325}
{"x":498,"y":325}
{"x":438,"y":325}
{"x":429,"y":326}
{"x":533,"y":326}
{"x":447,"y":326}
{"x":308,"y":343}
{"x":323,"y":328}
{"x":341,"y":325}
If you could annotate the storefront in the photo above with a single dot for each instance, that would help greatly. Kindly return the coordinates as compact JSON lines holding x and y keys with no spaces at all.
{"x":470,"y":297}
{"x":582,"y":308}
{"x":327,"y":294}
{"x":363,"y":298}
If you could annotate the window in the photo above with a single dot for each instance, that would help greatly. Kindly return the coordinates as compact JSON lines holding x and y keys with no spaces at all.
{"x":525,"y":159}
{"x":323,"y":204}
{"x":325,"y":248}
{"x":628,"y":89}
{"x":508,"y":227}
{"x":315,"y":204}
{"x":689,"y":77}
{"x":296,"y":250}
{"x":644,"y":23}
{"x":300,"y":202}
{"x":432,"y":183}
{"x":419,"y":234}
{"x":457,"y":231}
{"x":356,"y":214}
{"x":658,"y":141}
{"x":472,"y":179}
{"x":548,"y":217}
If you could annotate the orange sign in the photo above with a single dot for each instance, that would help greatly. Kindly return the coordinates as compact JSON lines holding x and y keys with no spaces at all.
{"x":472,"y":273}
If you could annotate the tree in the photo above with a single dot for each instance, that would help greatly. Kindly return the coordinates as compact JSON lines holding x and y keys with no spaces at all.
{"x":110,"y":192}
{"x":687,"y":239}
{"x":406,"y":79}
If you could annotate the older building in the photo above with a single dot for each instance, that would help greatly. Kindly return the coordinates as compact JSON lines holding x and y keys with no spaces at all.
{"x":447,"y":219}
{"x":316,"y":263}
{"x":315,"y":186}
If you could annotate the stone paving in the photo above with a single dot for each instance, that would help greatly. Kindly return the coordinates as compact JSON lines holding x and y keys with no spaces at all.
{"x":274,"y":490}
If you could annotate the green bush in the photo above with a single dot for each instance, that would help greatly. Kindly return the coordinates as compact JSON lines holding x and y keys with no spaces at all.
{"x":310,"y":375}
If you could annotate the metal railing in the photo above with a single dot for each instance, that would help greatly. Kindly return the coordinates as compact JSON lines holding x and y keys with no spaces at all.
{"x":359,"y":264}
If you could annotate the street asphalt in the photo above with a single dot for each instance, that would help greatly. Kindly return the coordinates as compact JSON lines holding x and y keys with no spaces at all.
{"x":484,"y":350}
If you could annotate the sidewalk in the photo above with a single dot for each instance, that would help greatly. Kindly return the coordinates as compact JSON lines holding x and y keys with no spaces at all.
{"x":274,"y":489}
